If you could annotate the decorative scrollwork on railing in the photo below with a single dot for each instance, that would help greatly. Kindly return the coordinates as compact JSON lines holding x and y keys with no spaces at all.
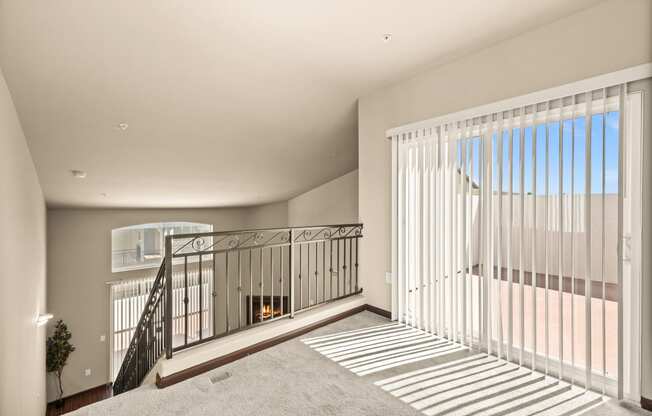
{"x":198,"y":243}
{"x":327,"y":233}
{"x":221,"y":242}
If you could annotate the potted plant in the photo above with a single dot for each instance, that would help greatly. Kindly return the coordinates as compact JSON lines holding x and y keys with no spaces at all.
{"x":58,"y":349}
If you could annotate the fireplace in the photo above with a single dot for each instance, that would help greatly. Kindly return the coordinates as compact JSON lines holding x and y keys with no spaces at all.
{"x":266,"y":308}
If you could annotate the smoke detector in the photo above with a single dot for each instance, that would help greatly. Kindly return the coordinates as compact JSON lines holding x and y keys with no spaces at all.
{"x":79,"y":174}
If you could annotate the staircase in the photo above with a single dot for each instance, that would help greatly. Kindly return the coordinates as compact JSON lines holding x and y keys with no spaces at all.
{"x":212,"y":285}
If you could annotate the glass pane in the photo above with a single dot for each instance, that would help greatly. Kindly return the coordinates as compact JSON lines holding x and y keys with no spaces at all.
{"x":142,"y":246}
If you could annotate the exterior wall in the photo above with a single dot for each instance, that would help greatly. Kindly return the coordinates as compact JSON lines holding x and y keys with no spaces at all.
{"x":335,"y":202}
{"x":22,"y":280}
{"x":579,"y":236}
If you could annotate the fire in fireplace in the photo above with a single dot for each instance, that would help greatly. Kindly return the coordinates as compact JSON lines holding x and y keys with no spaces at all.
{"x":270,"y":308}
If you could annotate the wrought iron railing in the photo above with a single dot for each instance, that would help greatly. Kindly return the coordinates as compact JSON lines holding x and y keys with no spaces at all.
{"x":218,"y":283}
{"x":148,"y":344}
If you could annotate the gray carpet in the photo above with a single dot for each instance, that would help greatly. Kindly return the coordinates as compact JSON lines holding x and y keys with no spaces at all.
{"x":363,"y":365}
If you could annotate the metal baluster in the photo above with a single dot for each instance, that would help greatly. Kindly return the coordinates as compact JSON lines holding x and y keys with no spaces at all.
{"x":185,"y":299}
{"x":323,"y":271}
{"x":214,"y":294}
{"x":281,"y":261}
{"x":239,"y":289}
{"x":339,"y":293}
{"x":228,"y":306}
{"x":300,"y":280}
{"x":350,"y":268}
{"x":308,"y":272}
{"x":330,"y":259}
{"x":356,"y":265}
{"x":201,"y":300}
{"x":316,"y":273}
{"x":271,"y":278}
{"x":251,"y":290}
{"x":262,"y":285}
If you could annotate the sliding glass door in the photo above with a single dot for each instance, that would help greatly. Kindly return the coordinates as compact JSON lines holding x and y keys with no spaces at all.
{"x":509,"y":234}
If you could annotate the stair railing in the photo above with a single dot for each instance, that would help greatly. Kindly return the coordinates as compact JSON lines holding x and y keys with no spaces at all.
{"x":215,"y":284}
{"x":147,"y":344}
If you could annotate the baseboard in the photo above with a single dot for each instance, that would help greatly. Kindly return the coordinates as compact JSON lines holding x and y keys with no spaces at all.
{"x":92,"y":390}
{"x":379,"y":311}
{"x":646,"y":403}
{"x":162,"y":382}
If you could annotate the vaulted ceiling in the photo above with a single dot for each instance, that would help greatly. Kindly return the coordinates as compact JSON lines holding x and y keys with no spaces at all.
{"x":228,"y":103}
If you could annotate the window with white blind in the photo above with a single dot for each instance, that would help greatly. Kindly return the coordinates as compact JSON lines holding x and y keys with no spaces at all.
{"x":508,"y":231}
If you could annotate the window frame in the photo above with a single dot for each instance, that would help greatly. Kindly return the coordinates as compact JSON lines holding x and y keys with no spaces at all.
{"x":161,"y":226}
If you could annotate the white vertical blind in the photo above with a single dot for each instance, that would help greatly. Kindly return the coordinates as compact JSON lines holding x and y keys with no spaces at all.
{"x":494,"y":244}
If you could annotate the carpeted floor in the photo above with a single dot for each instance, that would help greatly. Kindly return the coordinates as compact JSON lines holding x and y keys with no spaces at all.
{"x":363,"y":365}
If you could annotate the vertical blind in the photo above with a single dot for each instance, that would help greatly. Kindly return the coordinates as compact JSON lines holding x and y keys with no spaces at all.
{"x":508,"y":231}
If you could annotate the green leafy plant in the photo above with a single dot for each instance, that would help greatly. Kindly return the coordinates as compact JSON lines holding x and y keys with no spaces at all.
{"x":58,"y":350}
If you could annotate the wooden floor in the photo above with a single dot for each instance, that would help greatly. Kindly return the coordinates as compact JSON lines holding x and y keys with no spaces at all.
{"x":81,"y":399}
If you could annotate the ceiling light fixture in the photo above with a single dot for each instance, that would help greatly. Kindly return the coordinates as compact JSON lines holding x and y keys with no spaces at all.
{"x":387,"y":37}
{"x":79,"y":174}
{"x":123,"y":126}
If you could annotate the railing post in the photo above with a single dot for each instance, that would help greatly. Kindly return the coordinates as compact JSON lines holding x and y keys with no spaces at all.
{"x":291,"y":273}
{"x":168,"y":297}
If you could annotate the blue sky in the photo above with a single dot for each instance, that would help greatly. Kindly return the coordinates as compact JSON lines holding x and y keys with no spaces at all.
{"x":611,"y":161}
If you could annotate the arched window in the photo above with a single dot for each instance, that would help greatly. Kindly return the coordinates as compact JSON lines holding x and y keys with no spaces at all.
{"x":143,"y":246}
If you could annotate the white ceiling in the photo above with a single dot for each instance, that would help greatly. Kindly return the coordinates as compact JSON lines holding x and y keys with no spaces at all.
{"x":228,"y":102}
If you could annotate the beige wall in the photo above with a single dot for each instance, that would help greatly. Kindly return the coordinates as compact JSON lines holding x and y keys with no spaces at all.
{"x":79,"y":265}
{"x":335,"y":202}
{"x":22,"y":279}
{"x":268,"y":216}
{"x":611,"y":36}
